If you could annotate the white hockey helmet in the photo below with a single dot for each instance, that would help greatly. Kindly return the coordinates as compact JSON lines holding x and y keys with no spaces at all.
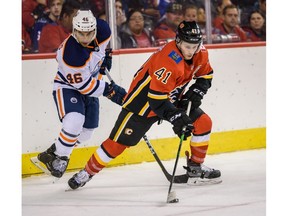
{"x":84,"y":21}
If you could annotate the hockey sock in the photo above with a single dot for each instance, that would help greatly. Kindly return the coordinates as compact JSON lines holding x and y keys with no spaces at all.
{"x":71,"y":127}
{"x":198,"y":153}
{"x":107,"y":151}
{"x":65,"y":143}
{"x":200,"y":140}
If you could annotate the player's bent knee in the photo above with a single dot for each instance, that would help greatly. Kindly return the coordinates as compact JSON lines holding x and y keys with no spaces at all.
{"x":73,"y":122}
{"x":85,"y":135}
{"x":113,"y":148}
{"x":203,"y":124}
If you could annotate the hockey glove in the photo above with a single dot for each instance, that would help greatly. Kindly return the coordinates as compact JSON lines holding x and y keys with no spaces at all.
{"x":107,"y":62}
{"x":115,"y":93}
{"x":195,"y":95}
{"x":180,"y":119}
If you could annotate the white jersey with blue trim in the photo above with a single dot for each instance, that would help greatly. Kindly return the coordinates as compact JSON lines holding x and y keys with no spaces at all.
{"x":78,"y":66}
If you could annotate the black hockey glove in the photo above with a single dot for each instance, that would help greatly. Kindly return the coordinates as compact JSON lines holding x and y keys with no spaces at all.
{"x":115,"y":93}
{"x":107,"y":62}
{"x":180,"y":119}
{"x":195,"y":95}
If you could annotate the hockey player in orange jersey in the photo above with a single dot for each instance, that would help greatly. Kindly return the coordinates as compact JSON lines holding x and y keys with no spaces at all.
{"x":156,"y":92}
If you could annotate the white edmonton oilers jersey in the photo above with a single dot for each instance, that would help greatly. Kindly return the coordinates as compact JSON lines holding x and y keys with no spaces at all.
{"x":78,"y":66}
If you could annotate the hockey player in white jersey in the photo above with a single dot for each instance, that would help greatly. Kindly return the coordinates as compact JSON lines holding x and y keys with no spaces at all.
{"x":77,"y":85}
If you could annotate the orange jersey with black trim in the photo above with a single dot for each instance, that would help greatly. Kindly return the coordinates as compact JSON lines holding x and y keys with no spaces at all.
{"x":164,"y":76}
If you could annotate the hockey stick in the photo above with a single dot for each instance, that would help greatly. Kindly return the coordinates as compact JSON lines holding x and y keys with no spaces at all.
{"x":171,"y":197}
{"x":179,"y":179}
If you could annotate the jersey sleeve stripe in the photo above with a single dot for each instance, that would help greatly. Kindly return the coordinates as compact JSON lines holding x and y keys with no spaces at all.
{"x":206,"y":76}
{"x":157,"y":96}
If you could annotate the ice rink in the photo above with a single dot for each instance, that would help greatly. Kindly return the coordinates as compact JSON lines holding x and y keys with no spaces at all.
{"x":142,"y":190}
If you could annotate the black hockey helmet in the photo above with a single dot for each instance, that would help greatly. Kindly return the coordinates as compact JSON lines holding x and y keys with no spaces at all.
{"x":189,"y":32}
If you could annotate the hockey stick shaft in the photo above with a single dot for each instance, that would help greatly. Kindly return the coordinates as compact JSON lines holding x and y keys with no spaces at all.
{"x":109,"y":76}
{"x":177,"y":179}
{"x":178,"y":153}
{"x":168,"y":176}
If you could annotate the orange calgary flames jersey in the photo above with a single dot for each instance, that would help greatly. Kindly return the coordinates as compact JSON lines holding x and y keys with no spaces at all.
{"x":164,"y":76}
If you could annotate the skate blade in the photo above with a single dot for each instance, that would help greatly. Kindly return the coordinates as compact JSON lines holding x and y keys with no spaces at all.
{"x":201,"y":181}
{"x":42,"y":167}
{"x":69,"y":189}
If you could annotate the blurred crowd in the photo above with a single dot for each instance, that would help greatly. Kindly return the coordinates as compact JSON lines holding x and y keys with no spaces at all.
{"x":142,"y":23}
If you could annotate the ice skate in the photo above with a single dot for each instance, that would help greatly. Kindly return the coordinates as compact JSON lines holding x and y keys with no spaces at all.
{"x":79,"y":179}
{"x":199,"y":174}
{"x":55,"y":164}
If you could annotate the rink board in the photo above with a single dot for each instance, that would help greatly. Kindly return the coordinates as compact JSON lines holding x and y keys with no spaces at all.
{"x":166,"y":149}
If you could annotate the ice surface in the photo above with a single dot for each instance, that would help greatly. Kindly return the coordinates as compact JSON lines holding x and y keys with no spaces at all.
{"x":141,"y":190}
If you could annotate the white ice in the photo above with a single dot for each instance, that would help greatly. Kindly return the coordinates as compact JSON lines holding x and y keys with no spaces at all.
{"x":141,"y":190}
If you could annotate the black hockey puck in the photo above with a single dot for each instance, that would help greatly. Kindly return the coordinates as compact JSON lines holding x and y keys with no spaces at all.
{"x":176,"y":200}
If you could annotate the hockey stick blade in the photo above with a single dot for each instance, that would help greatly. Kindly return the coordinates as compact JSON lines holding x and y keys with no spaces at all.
{"x":180,"y":179}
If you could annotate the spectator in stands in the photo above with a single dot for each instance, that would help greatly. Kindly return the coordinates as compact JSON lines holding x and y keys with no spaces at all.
{"x":162,"y":6}
{"x":120,"y":14}
{"x":55,"y":7}
{"x":190,"y":13}
{"x":166,"y":27}
{"x":221,"y":4}
{"x":96,"y":6}
{"x":54,"y":34}
{"x":201,"y":18}
{"x":26,"y":41}
{"x":150,"y":9}
{"x":31,"y":11}
{"x":256,"y":30}
{"x":135,"y":35}
{"x":245,"y":8}
{"x":230,"y":24}
{"x":261,"y":6}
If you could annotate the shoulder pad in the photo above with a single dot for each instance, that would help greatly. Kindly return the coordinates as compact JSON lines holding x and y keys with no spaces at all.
{"x":103,"y":31}
{"x":74,"y":54}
